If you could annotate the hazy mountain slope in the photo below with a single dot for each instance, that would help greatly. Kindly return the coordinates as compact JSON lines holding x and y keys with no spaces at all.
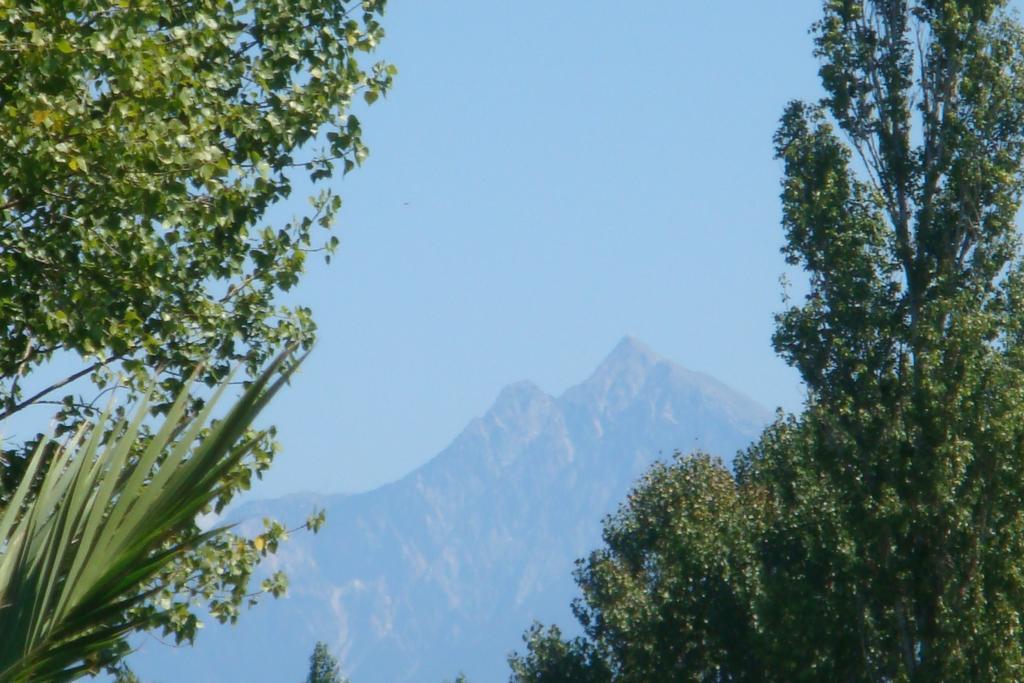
{"x":443,"y":570}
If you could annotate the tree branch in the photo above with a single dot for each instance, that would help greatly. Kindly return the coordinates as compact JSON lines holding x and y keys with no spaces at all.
{"x":57,"y":385}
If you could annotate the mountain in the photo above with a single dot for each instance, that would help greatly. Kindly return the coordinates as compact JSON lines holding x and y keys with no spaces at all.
{"x":444,"y":569}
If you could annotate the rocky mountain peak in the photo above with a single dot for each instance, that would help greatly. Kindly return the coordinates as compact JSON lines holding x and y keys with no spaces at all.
{"x":618,"y":379}
{"x":630,"y":358}
{"x":444,"y":569}
{"x":519,"y":398}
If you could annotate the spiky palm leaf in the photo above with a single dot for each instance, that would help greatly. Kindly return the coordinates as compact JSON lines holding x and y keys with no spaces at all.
{"x":81,"y":541}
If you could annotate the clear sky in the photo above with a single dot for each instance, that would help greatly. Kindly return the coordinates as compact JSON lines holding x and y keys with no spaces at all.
{"x":546,"y":177}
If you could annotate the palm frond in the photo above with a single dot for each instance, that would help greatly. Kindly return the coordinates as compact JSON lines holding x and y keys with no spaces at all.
{"x":81,"y":541}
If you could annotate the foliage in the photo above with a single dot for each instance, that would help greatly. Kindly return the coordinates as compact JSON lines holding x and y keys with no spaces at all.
{"x":898,"y":489}
{"x":878,"y":536}
{"x":124,"y":674}
{"x":144,"y":144}
{"x":679,"y":549}
{"x":82,"y":550}
{"x":668,"y":598}
{"x":550,"y":658}
{"x":323,"y":667}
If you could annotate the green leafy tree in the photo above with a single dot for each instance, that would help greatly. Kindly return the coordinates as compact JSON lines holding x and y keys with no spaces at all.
{"x":668,"y":598}
{"x":143,"y":144}
{"x":884,"y":521}
{"x":897,"y":491}
{"x":549,"y":658}
{"x":323,"y":667}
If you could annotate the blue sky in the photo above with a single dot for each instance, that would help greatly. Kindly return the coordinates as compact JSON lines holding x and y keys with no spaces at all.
{"x":545,"y":178}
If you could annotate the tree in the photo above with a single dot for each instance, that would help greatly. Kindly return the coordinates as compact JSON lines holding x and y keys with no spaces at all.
{"x":668,"y":597}
{"x":143,"y":144}
{"x":897,"y":489}
{"x":888,"y":532}
{"x":124,"y":674}
{"x":550,"y":658}
{"x":323,"y":667}
{"x":83,"y":550}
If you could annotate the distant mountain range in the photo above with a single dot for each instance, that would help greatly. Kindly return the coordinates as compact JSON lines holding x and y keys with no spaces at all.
{"x":442,"y":571}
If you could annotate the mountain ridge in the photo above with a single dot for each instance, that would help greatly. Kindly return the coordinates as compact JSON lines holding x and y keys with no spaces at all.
{"x":443,"y":569}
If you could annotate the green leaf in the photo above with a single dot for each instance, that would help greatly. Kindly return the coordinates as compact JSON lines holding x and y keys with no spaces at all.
{"x":80,"y":552}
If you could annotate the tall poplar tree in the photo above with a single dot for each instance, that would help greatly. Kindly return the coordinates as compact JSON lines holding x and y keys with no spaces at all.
{"x":323,"y":667}
{"x":887,"y":520}
{"x":898,"y":523}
